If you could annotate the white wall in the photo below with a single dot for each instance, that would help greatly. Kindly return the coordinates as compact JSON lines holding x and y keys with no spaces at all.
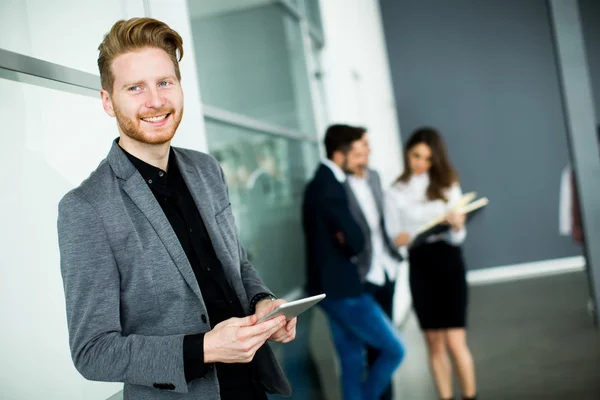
{"x":52,"y":139}
{"x":358,"y":90}
{"x":357,"y":78}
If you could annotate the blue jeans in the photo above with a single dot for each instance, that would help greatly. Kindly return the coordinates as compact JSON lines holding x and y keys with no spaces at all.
{"x":355,"y":323}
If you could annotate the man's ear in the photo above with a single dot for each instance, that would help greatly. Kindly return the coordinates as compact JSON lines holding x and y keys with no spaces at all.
{"x":337,"y":157}
{"x":107,"y":103}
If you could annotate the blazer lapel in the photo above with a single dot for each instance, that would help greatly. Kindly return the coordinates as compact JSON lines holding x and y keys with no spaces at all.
{"x":201,"y":193}
{"x":375,"y":185}
{"x":354,"y":205}
{"x":141,"y":195}
{"x":376,"y":190}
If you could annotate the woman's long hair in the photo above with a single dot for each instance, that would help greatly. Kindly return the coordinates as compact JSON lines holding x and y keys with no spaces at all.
{"x":441,"y":173}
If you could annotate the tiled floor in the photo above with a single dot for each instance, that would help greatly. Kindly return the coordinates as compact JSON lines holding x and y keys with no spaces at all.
{"x":413,"y":380}
{"x":531,"y":339}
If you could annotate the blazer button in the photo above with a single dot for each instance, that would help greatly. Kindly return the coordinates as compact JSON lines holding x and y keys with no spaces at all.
{"x":203,"y":318}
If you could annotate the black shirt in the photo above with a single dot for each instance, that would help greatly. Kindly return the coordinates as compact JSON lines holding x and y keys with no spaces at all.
{"x":170,"y":190}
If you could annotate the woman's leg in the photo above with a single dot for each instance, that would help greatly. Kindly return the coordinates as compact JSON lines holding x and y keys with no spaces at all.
{"x":440,"y":364}
{"x":463,"y":361}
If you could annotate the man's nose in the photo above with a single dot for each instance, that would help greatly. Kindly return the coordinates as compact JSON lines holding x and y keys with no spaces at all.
{"x":155,"y":99}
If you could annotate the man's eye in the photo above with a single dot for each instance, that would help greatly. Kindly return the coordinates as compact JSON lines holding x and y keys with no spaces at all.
{"x":164,"y":83}
{"x":134,"y":88}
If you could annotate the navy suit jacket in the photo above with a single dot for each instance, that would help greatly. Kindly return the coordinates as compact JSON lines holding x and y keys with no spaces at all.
{"x":331,"y":263}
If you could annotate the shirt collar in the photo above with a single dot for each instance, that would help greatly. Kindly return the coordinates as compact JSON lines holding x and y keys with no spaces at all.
{"x":420,"y":180}
{"x":356,"y":178}
{"x":156,"y":178}
{"x":339,"y":174}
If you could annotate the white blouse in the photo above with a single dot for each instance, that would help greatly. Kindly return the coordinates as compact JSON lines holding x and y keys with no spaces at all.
{"x":407,"y":209}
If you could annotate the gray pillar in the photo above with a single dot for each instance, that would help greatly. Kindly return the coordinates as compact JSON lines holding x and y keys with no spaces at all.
{"x":581,"y":128}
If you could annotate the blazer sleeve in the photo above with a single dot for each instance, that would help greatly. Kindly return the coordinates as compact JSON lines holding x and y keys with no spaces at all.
{"x":99,"y":348}
{"x":339,"y":219}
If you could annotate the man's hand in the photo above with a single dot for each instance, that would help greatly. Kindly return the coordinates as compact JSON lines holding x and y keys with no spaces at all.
{"x":236,"y":340}
{"x":340,"y":238}
{"x":402,"y":239}
{"x":285,"y":334}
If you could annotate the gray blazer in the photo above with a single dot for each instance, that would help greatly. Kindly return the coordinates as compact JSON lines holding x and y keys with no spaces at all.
{"x":131,"y":294}
{"x":365,"y":258}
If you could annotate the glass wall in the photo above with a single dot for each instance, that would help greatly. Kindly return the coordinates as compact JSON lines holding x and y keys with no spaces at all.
{"x":266,"y":176}
{"x":246,"y":65}
{"x":313,"y":13}
{"x":41,"y":29}
{"x":258,"y":67}
{"x":256,"y":62}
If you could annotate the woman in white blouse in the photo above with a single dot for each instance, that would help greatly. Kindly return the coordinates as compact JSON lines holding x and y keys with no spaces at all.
{"x":427,"y":189}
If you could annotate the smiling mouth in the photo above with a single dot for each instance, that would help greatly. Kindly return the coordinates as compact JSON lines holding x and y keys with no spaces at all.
{"x":158,"y":118}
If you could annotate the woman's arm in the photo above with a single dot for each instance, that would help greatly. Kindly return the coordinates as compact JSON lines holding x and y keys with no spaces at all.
{"x":458,"y":233}
{"x":395,"y":204}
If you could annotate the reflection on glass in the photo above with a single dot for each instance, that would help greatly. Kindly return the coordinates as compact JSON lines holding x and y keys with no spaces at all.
{"x":266,"y":177}
{"x":250,"y":61}
{"x":311,"y":159}
{"x":319,"y":99}
{"x":313,"y":13}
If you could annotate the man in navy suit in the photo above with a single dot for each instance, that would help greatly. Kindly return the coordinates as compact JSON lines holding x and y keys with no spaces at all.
{"x":333,"y":241}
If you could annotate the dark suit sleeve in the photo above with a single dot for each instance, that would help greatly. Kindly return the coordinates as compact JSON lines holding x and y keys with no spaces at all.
{"x":339,"y":219}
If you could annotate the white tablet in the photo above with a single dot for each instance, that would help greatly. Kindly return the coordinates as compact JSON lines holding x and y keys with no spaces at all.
{"x":293,"y":308}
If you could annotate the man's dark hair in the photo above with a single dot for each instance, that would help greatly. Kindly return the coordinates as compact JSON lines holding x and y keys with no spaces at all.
{"x":340,"y":138}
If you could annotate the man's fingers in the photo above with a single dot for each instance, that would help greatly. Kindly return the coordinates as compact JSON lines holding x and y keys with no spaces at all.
{"x":264,"y":328}
{"x":257,"y":345}
{"x":273,"y":331}
{"x":246,"y":321}
{"x":291,"y":324}
{"x":277,"y":303}
{"x":279,"y":335}
{"x":265,"y":333}
{"x":273,"y":323}
{"x":283,"y":336}
{"x":266,"y":306}
{"x":289,"y":337}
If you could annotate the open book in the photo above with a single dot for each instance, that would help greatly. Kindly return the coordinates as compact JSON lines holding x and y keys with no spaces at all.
{"x":438,"y":225}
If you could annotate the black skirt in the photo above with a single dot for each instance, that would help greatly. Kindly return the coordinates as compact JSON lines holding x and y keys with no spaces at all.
{"x":438,"y":286}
